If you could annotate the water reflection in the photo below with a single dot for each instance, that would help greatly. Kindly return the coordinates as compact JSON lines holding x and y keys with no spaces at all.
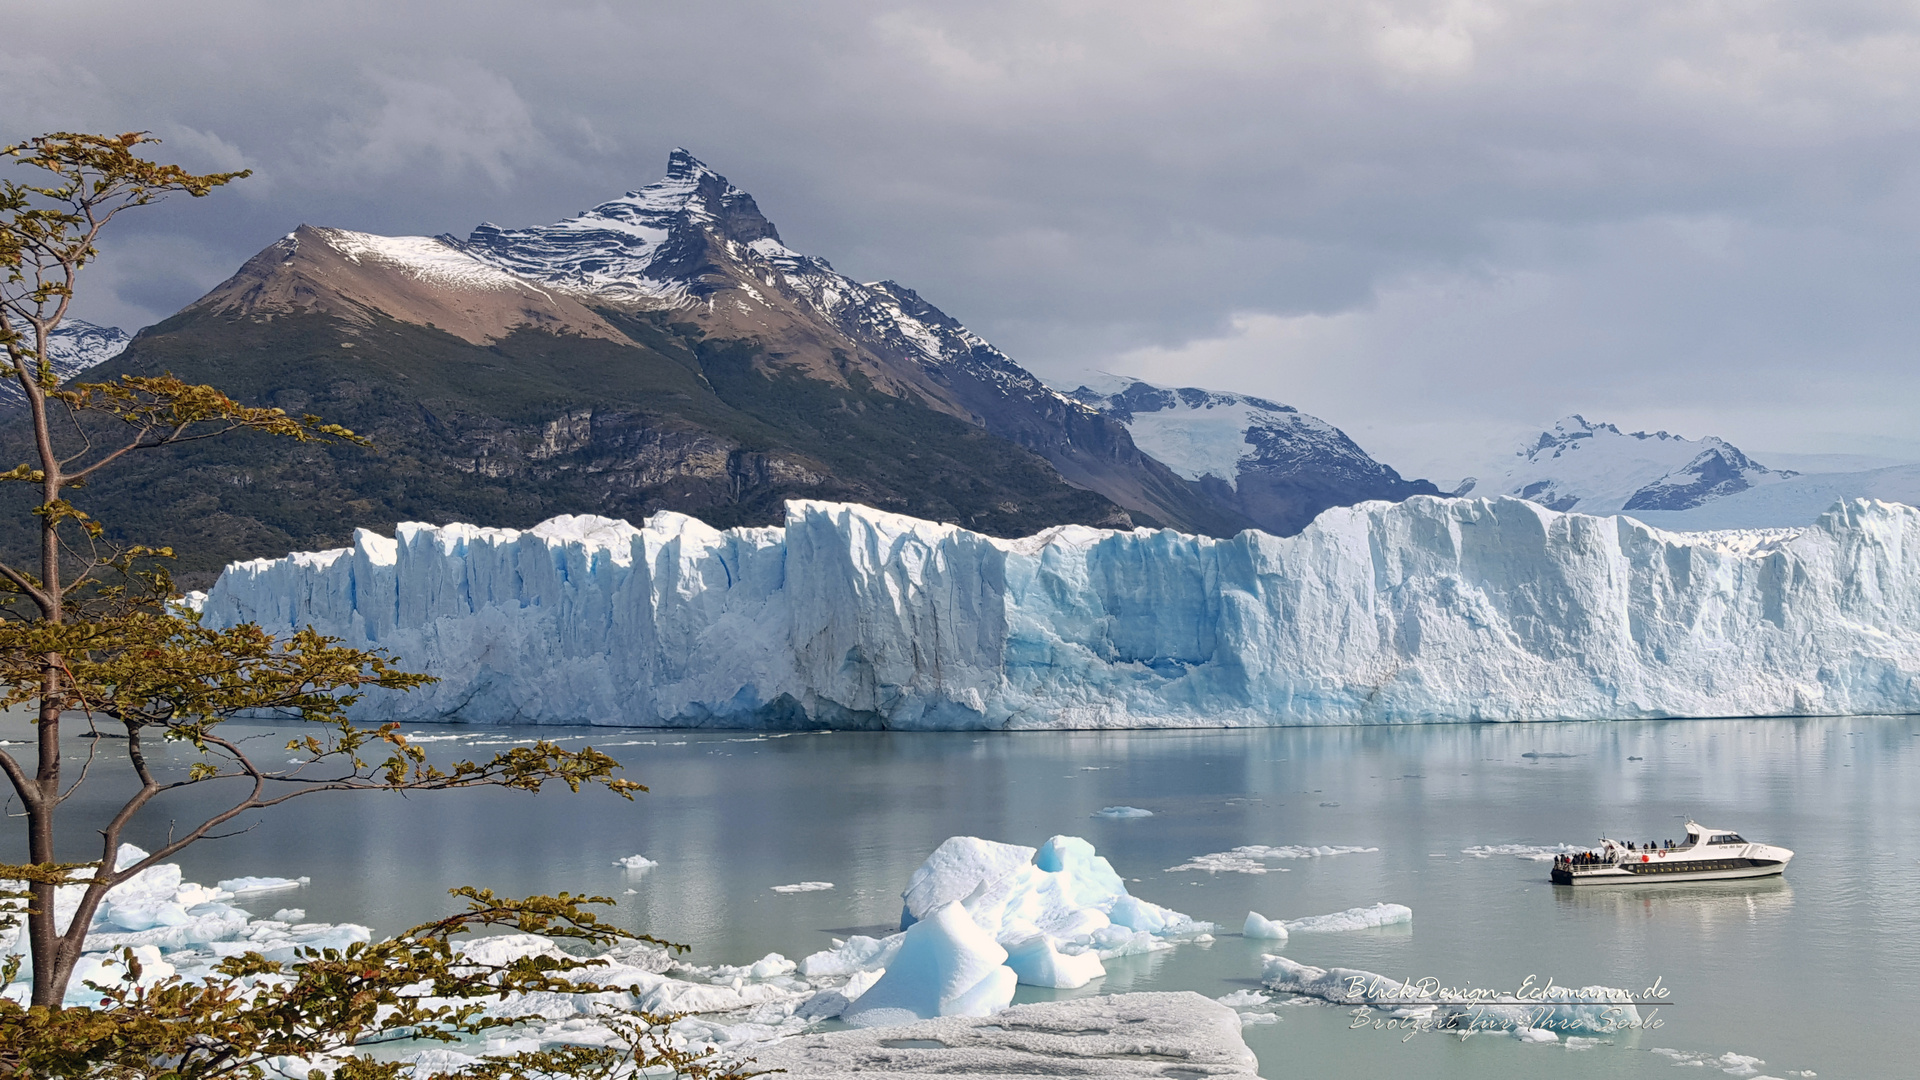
{"x":1703,"y":906}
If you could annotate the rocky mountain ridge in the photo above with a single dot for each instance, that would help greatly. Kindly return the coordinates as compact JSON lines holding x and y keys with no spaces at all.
{"x":663,"y":350}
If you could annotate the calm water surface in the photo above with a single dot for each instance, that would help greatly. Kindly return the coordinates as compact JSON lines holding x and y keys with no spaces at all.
{"x":1819,"y":971}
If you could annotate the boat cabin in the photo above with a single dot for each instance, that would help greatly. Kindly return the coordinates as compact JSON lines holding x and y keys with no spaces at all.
{"x":1700,"y":836}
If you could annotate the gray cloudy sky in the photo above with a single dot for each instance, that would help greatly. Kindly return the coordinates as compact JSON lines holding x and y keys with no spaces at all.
{"x":1436,"y":224}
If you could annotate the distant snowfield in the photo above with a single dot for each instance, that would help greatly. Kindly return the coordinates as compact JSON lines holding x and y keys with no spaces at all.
{"x":1795,"y":501}
{"x":1428,"y":610}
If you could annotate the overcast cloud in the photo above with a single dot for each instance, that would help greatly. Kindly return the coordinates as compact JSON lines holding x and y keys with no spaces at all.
{"x":1433,"y":223}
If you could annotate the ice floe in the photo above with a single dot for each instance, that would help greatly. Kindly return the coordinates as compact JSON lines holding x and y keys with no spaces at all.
{"x":1122,"y":812}
{"x":1535,"y":852}
{"x":1251,"y":859}
{"x":804,"y":886}
{"x":1554,"y":1010}
{"x":1260,"y":927}
{"x":262,"y":884}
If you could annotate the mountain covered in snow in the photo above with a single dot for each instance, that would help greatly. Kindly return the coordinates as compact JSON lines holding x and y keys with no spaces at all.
{"x":1277,"y":466}
{"x":663,"y":350}
{"x":1427,"y":610}
{"x":73,"y":347}
{"x":1599,"y":469}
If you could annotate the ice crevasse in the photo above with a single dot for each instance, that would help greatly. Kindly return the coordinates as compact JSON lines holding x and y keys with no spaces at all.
{"x":1426,"y":610}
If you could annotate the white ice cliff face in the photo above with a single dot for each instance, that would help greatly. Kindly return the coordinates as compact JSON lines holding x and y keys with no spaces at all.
{"x":1428,"y":610}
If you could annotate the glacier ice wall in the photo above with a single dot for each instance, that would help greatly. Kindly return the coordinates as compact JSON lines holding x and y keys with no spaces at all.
{"x":1426,"y":610}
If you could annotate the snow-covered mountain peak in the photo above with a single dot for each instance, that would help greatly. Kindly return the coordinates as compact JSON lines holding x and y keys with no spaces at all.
{"x":1599,"y":469}
{"x":73,"y":347}
{"x":1279,"y":467}
{"x":1568,"y":430}
{"x":645,"y":245}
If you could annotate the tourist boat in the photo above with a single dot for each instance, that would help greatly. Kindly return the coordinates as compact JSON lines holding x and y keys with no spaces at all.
{"x":1707,"y":855}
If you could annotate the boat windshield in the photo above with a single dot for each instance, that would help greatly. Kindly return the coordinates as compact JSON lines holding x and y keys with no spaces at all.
{"x":1726,"y":838}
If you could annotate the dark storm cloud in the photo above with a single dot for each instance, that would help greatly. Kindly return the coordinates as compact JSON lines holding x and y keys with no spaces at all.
{"x":1422,"y":220}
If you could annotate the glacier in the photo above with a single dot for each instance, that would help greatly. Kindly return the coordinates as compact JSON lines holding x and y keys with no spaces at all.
{"x":1427,"y":610}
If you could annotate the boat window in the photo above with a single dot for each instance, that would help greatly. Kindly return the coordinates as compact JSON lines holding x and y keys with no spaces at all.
{"x":1726,"y":838}
{"x":1734,"y":838}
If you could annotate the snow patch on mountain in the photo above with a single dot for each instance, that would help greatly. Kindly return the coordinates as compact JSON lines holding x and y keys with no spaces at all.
{"x":73,"y":347}
{"x":1422,"y":611}
{"x":1598,"y":469}
{"x":1794,"y":501}
{"x":1208,"y":433}
{"x":427,"y":258}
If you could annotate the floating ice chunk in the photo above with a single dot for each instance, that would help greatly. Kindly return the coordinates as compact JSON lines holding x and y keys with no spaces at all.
{"x":1243,"y":999}
{"x":946,"y":966}
{"x":1260,"y":927}
{"x":1740,"y":1065}
{"x":1038,"y":963}
{"x":960,"y":865}
{"x":858,"y":953}
{"x":1248,"y":859}
{"x":636,"y":862}
{"x":1249,"y":1018}
{"x":503,"y":949}
{"x":290,"y":915}
{"x":1360,"y":918}
{"x":804,"y":886}
{"x":771,"y":966}
{"x":1592,"y":1009}
{"x":1535,"y":1035}
{"x":262,"y":884}
{"x":1536,"y":852}
{"x":1122,"y":812}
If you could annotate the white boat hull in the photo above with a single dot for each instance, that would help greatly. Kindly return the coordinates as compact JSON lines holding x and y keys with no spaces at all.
{"x":1658,"y":872}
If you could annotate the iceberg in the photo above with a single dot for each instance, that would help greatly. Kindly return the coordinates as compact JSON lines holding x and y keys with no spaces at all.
{"x":1428,"y":610}
{"x":946,"y":966}
{"x":1052,"y":914}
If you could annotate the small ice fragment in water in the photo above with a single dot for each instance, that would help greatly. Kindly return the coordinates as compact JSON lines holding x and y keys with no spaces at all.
{"x":804,"y":886}
{"x":1247,"y":860}
{"x":1262,"y":928}
{"x":636,"y":862}
{"x":1122,"y":812}
{"x":1360,"y":918}
{"x":290,"y":915}
{"x":1241,"y":999}
{"x":1536,"y":852}
{"x":262,"y":884}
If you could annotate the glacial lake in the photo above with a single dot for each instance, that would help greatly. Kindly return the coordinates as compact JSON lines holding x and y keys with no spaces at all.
{"x":1811,"y":972}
